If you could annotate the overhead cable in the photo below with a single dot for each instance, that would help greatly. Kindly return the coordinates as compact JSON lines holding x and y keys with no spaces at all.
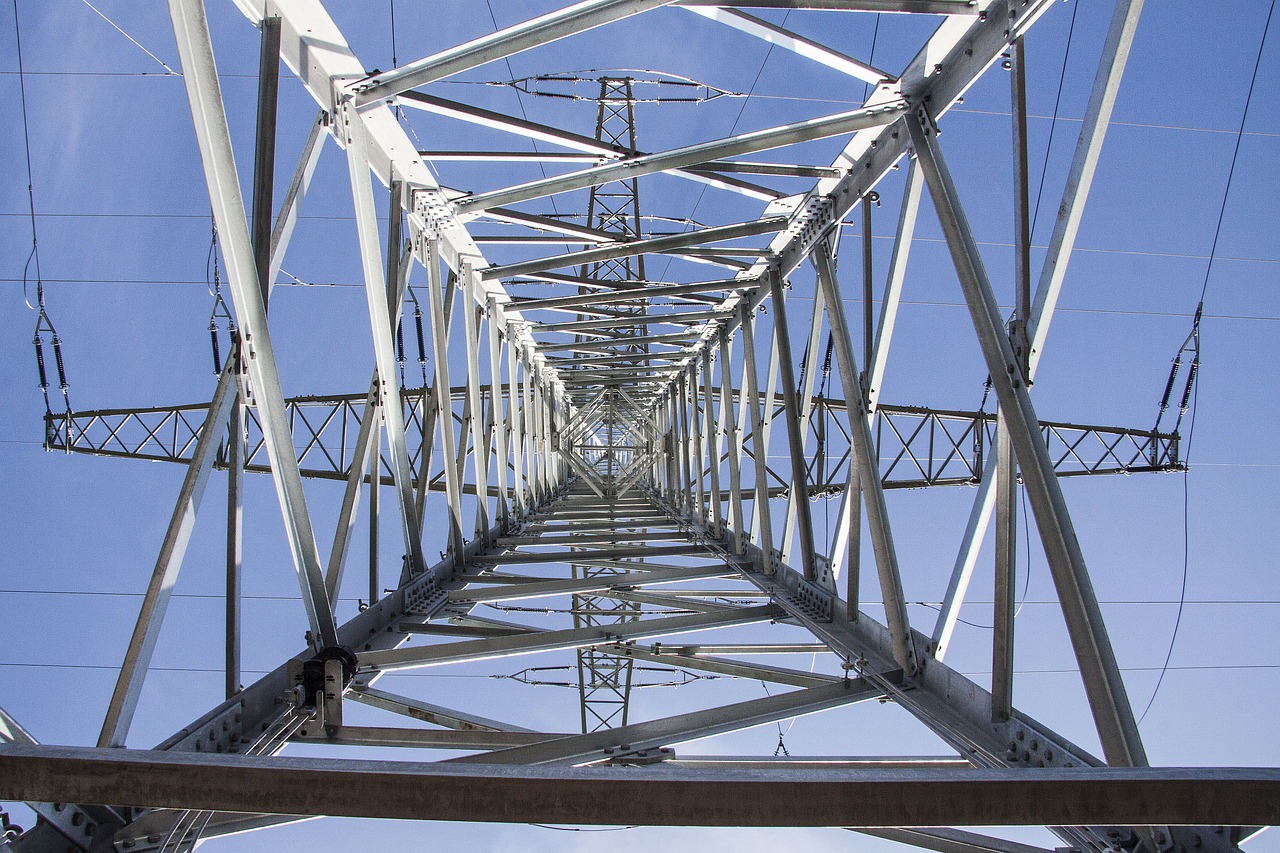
{"x":1191,"y":394}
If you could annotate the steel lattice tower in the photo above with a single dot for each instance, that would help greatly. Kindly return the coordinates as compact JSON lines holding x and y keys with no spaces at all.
{"x":637,"y":456}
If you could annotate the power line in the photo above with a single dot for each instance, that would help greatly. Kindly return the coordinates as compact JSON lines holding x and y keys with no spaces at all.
{"x":44,"y":324}
{"x":1053,"y":122}
{"x":1186,"y":499}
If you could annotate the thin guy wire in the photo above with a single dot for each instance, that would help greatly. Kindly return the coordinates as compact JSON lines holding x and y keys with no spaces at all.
{"x":171,"y":72}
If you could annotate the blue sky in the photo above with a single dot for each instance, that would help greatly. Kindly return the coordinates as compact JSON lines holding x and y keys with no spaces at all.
{"x":123,"y":237}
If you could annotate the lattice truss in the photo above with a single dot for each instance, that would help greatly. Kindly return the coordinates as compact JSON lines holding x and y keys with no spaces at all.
{"x":624,"y":461}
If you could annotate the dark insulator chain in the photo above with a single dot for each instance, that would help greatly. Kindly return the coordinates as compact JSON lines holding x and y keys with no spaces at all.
{"x":422,"y":347}
{"x":44,"y":324}
{"x":1191,"y":344}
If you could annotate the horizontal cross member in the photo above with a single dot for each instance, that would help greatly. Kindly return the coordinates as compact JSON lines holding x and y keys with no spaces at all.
{"x":642,"y":795}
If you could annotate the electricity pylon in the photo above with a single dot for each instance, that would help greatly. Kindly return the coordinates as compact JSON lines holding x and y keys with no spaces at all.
{"x":650,"y":455}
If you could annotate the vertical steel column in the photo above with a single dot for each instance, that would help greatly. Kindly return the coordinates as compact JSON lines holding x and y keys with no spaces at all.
{"x":795,"y":428}
{"x":370,"y":424}
{"x":729,"y":429}
{"x":479,"y":453}
{"x":201,"y":78}
{"x":1112,"y":713}
{"x":1006,"y":471}
{"x":680,"y":406}
{"x":235,"y":541}
{"x":444,"y":398}
{"x":763,"y":531}
{"x":895,"y":606}
{"x":431,"y":405}
{"x":263,"y":185}
{"x":497,"y":394}
{"x":459,"y":461}
{"x":984,"y":504}
{"x":698,"y":453}
{"x":851,"y":530}
{"x":806,"y":415}
{"x":375,"y":490}
{"x":515,"y":418}
{"x":546,"y":409}
{"x":671,"y":452}
{"x":539,"y":427}
{"x":868,"y":293}
{"x":490,"y":425}
{"x":383,"y":324}
{"x":1006,"y":551}
{"x":297,"y":191}
{"x":1021,"y":208}
{"x":713,"y":443}
{"x":264,"y":155}
{"x":531,"y":434}
{"x":769,"y":397}
{"x":893,"y":283}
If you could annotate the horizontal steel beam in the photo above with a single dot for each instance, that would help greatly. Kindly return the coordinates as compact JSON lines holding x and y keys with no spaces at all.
{"x":555,"y":25}
{"x":653,"y":796}
{"x":572,"y":638}
{"x":751,"y":142}
{"x":598,"y":584}
{"x":604,"y":744}
{"x":925,"y":7}
{"x":418,"y":738}
{"x":557,"y":136}
{"x":767,"y":225}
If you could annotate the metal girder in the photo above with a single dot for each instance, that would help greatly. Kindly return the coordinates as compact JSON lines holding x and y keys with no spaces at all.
{"x":744,"y":143}
{"x":714,"y":234}
{"x":598,"y":584}
{"x":577,"y":18}
{"x":787,"y":40}
{"x":571,"y":638}
{"x":916,"y":447}
{"x":557,"y":136}
{"x":653,"y":796}
{"x":429,"y":712}
{"x":618,"y":742}
{"x":921,"y":7}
